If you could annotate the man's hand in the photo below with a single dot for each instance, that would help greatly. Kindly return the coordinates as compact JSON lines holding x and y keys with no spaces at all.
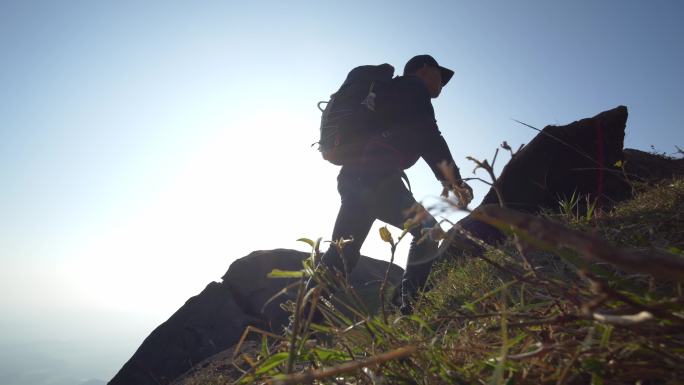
{"x":461,"y":190}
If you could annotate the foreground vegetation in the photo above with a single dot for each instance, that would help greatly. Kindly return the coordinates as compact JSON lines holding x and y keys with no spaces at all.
{"x":581,"y":297}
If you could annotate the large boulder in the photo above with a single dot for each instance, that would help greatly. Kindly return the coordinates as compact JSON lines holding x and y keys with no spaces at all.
{"x":578,"y":158}
{"x":561,"y":160}
{"x":585,"y":157}
{"x":214,"y":320}
{"x":205,"y":325}
{"x":254,"y":293}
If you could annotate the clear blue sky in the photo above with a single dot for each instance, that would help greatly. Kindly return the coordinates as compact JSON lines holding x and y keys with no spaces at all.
{"x":145,"y":145}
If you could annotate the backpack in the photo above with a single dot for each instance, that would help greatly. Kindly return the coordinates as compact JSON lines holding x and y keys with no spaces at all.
{"x":350,"y":118}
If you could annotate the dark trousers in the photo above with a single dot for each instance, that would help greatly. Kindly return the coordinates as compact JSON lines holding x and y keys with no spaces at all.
{"x":367,"y":198}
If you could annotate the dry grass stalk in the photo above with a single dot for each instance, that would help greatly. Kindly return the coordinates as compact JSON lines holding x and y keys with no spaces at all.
{"x":309,"y":376}
{"x":250,"y":329}
{"x":548,"y":234}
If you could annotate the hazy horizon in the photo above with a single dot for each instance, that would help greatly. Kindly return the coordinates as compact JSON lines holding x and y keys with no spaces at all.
{"x":145,"y":146}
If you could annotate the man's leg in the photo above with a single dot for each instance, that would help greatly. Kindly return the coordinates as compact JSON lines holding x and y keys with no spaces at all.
{"x":354,"y":221}
{"x":395,"y":206}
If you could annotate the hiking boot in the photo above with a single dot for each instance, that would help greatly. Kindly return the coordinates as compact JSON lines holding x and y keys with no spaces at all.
{"x":406,"y":308}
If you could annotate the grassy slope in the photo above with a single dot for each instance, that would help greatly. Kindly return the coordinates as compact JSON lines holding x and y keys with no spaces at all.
{"x":493,"y":319}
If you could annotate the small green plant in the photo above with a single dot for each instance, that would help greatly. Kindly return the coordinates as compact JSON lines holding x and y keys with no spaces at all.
{"x":577,"y":208}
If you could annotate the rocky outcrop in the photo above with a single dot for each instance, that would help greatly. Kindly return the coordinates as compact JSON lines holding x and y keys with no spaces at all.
{"x":206,"y":324}
{"x":650,"y":168}
{"x":561,"y":160}
{"x":254,"y":293}
{"x":584,"y":157}
{"x":214,"y":320}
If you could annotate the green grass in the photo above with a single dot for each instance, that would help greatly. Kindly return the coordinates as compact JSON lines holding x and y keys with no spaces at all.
{"x":494,"y":320}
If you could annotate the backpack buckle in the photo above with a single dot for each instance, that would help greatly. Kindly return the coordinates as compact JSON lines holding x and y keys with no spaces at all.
{"x":385,"y":134}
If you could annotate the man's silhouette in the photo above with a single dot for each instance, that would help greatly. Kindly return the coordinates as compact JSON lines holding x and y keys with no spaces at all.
{"x":372,"y":188}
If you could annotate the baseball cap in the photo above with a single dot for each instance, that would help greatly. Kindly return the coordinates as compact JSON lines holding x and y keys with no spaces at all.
{"x":417,"y":62}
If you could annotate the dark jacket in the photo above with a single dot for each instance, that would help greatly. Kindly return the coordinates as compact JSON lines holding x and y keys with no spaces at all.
{"x":407,"y":131}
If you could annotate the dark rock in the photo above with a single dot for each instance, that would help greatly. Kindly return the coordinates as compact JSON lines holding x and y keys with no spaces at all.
{"x":243,"y":279}
{"x":220,"y":364}
{"x":579,"y":158}
{"x":205,"y":325}
{"x":214,"y":320}
{"x":650,"y":168}
{"x":561,"y":160}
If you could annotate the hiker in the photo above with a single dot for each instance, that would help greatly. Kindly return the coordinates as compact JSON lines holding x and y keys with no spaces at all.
{"x":371,"y":187}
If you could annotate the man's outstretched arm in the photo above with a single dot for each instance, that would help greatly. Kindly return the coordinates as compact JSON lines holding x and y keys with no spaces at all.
{"x":437,"y":155}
